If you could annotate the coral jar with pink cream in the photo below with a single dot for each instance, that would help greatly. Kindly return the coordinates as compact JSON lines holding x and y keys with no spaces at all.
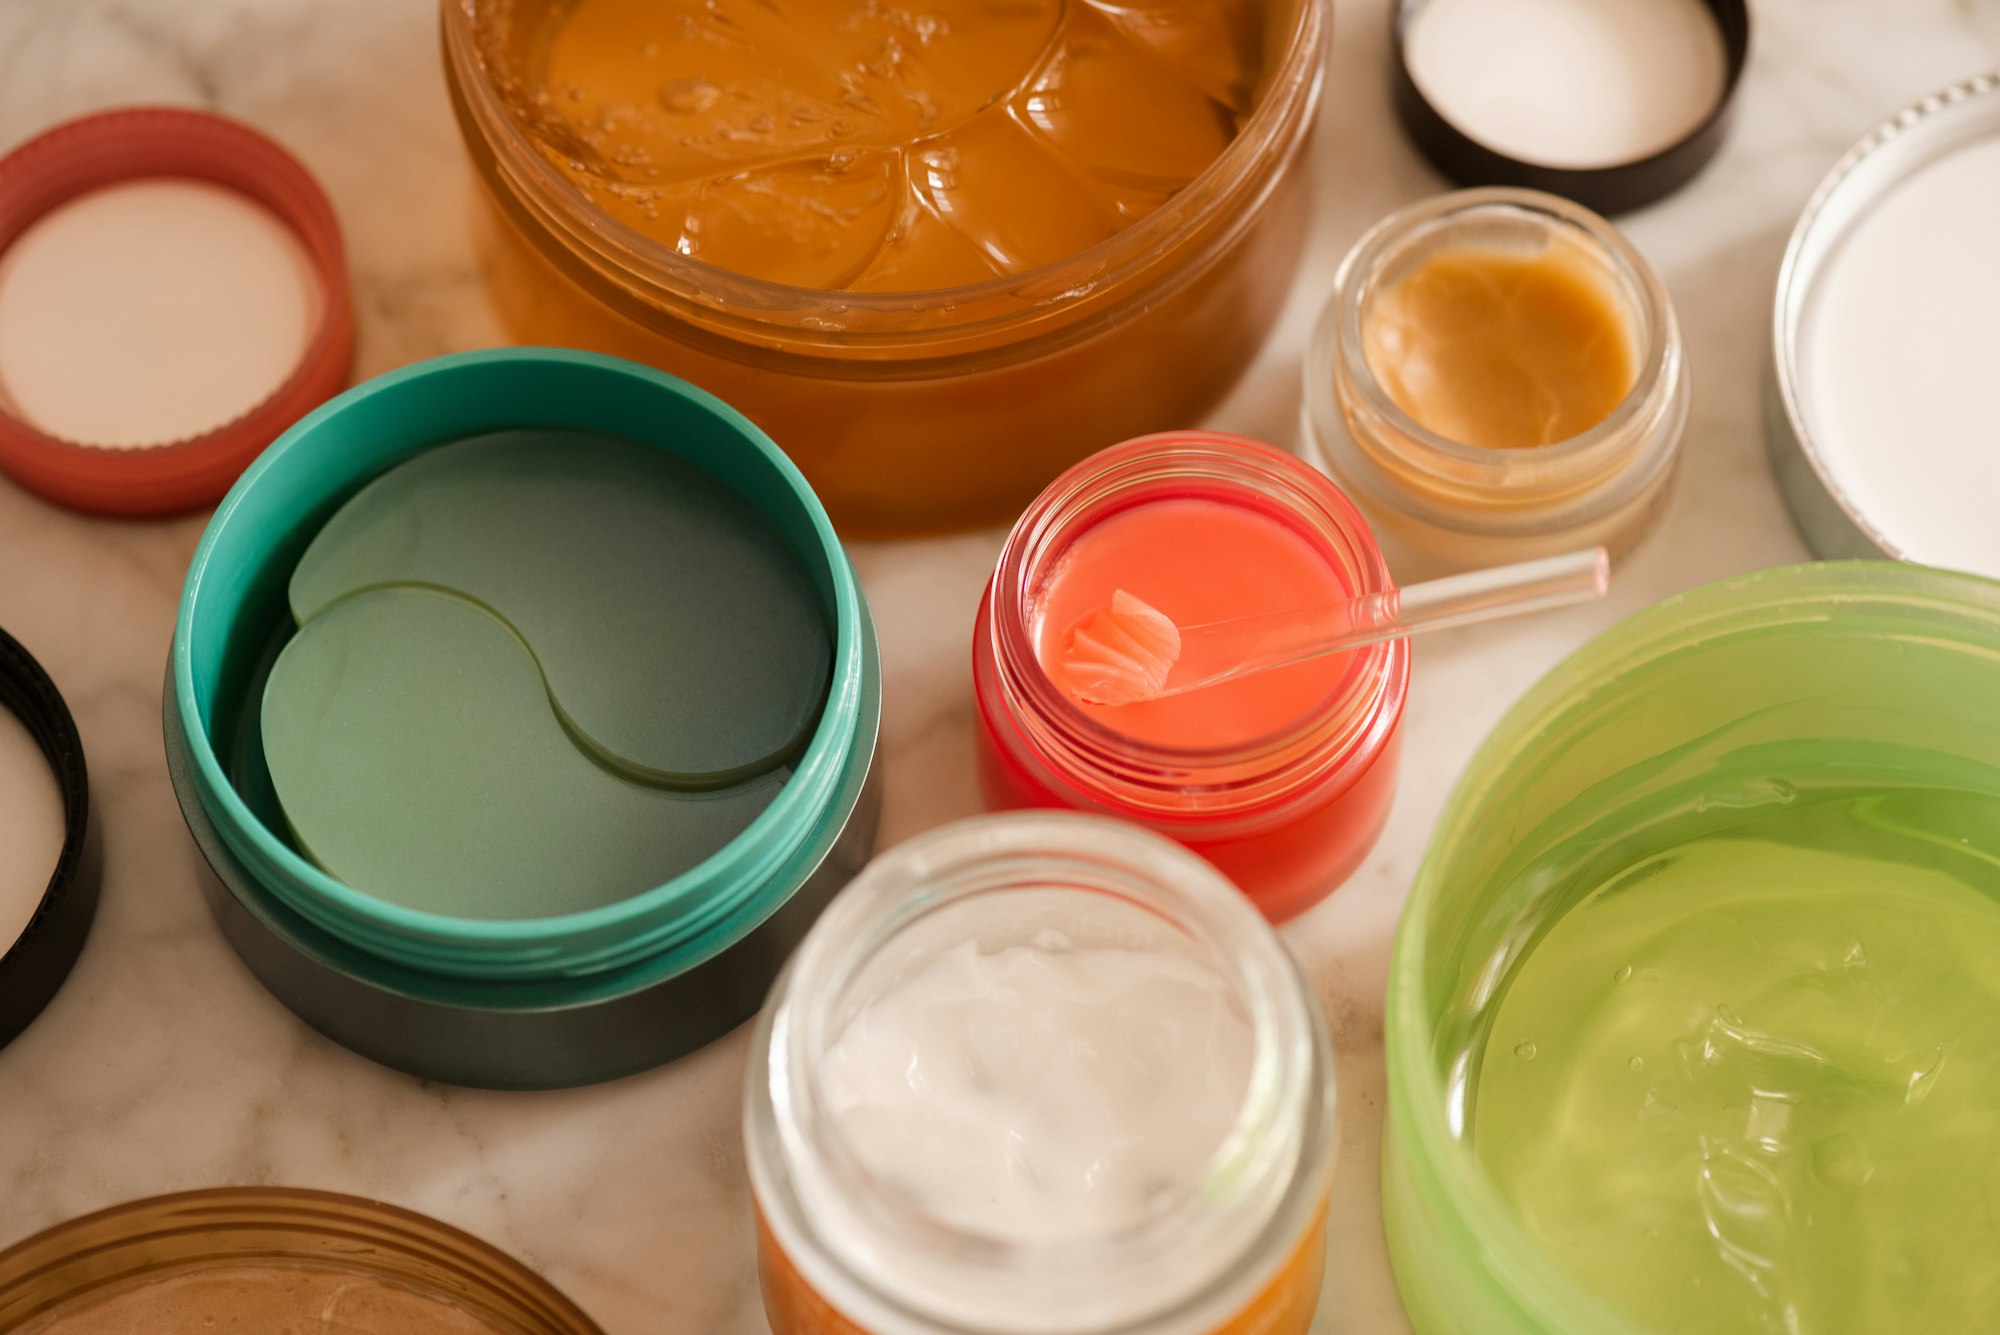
{"x":1282,"y":780}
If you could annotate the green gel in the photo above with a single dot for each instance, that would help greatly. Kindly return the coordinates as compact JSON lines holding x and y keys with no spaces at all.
{"x":410,"y":738}
{"x":1751,"y":1082}
{"x":538,"y":672}
{"x":681,"y":639}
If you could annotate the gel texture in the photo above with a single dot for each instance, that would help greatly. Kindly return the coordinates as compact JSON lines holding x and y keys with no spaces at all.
{"x":1502,"y":349}
{"x":1751,"y":1083}
{"x":1196,"y":560}
{"x":833,"y":144}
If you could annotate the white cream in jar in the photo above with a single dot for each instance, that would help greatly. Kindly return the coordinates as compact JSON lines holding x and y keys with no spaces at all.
{"x":1040,"y":1074}
{"x":1044,"y":1090}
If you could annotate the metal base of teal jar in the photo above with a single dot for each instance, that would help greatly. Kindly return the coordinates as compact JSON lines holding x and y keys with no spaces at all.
{"x":576,"y":996}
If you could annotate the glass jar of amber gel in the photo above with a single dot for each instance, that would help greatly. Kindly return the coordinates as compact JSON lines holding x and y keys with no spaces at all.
{"x":1283,"y":780}
{"x":1040,"y":1073}
{"x":938,"y":258}
{"x":1498,"y":376}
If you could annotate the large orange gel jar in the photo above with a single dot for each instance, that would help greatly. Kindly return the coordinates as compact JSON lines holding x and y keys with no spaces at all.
{"x":1284,"y":779}
{"x":1040,"y":1074}
{"x":938,"y":254}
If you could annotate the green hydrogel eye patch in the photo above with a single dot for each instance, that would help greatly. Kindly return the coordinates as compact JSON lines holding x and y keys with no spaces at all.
{"x":681,"y":640}
{"x":412,"y":743}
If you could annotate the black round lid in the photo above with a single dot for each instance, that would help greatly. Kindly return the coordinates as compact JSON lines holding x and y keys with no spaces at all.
{"x":1616,"y":188}
{"x":33,"y":966}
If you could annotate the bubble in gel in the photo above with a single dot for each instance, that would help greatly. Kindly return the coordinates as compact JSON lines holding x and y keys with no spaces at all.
{"x":1842,"y":1160}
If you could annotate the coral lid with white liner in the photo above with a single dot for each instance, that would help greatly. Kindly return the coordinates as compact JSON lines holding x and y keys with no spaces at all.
{"x":173,"y":294}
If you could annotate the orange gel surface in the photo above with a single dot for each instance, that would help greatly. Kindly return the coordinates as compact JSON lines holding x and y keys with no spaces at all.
{"x":1196,"y":560}
{"x":862,"y":145}
{"x":1501,"y":349}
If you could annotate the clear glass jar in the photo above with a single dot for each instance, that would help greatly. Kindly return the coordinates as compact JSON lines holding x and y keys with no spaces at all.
{"x":351,"y":1245}
{"x":1239,"y":1251}
{"x":1439,"y":506}
{"x":1287,"y":817}
{"x":934,"y":410}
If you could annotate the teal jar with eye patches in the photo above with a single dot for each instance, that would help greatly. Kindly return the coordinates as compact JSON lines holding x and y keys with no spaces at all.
{"x":449,"y":957}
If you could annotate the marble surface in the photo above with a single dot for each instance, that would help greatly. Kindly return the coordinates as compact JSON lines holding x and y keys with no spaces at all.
{"x":164,"y":1066}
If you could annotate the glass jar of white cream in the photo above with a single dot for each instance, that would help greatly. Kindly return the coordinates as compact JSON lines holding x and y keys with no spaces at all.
{"x":1041,"y":1074}
{"x":1498,"y":376}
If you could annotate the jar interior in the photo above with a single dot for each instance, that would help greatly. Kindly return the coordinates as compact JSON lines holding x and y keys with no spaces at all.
{"x":1002,"y":918}
{"x":1173,"y":470}
{"x":1186,"y":553}
{"x":236,"y":618}
{"x":497,"y":48}
{"x":1518,"y":232}
{"x":839,"y":149}
{"x":266,"y":628}
{"x":1542,"y":322}
{"x":259,"y":633}
{"x":1076,"y":940}
{"x":1050,"y":1090}
{"x":1854,"y":726}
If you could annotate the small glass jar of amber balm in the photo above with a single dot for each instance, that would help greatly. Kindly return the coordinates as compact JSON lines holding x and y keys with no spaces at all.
{"x":1498,"y":376}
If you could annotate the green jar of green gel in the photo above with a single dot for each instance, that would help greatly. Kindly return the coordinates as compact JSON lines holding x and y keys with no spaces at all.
{"x":1694,"y":1015}
{"x":506,"y":774}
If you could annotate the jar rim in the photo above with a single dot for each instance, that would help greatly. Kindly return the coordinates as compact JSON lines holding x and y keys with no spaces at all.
{"x":675,"y":914}
{"x":834,"y":321}
{"x":1466,"y":1206}
{"x":1263,"y":1176}
{"x":176,"y":1222}
{"x":1340,"y":380}
{"x":1346,"y":731}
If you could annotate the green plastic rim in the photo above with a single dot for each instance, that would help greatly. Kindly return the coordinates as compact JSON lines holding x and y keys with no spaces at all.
{"x":1462,"y":1259}
{"x":281,"y":501}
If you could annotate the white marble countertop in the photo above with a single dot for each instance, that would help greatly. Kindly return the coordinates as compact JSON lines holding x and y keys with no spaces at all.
{"x":164,"y":1066}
